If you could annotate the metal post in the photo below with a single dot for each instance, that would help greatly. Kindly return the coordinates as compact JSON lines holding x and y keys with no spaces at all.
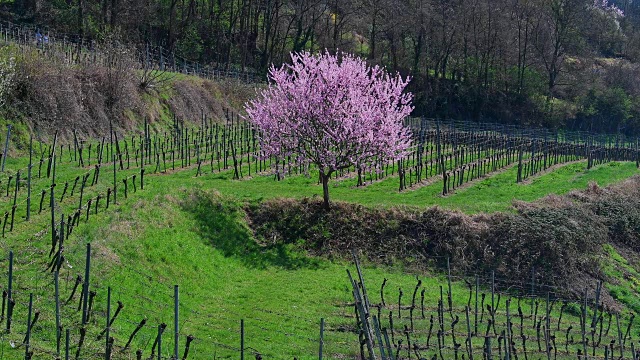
{"x":321,"y":338}
{"x":176,"y":324}
{"x":107,"y":354}
{"x":241,"y":339}
{"x":86,"y":285}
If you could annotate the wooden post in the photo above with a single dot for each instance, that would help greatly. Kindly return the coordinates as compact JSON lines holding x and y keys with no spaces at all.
{"x":376,"y":327}
{"x":363,"y":316}
{"x":388,"y":345}
{"x":361,"y":278}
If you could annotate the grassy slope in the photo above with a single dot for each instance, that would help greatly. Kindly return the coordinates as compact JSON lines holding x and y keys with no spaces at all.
{"x":158,"y":238}
{"x":155,"y":240}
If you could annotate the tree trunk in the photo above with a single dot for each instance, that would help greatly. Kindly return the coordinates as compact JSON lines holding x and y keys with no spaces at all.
{"x":81,"y":19}
{"x":114,"y":13}
{"x":324,"y":178}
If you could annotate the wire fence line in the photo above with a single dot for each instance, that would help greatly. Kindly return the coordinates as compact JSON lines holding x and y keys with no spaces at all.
{"x":73,"y":49}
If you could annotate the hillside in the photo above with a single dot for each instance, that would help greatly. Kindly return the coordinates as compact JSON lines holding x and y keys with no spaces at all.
{"x":266,"y":262}
{"x":481,"y":233}
{"x":45,"y":92}
{"x":559,"y":64}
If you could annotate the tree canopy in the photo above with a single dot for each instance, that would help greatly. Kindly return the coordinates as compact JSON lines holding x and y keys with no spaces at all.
{"x":531,"y":62}
{"x":332,"y":111}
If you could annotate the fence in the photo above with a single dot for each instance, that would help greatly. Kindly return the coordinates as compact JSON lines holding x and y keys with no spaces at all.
{"x":72,"y":49}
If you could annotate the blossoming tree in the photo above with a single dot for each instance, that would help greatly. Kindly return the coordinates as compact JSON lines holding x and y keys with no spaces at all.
{"x":332,"y":111}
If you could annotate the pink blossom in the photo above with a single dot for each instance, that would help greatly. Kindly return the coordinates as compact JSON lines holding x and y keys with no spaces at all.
{"x":334,"y":112}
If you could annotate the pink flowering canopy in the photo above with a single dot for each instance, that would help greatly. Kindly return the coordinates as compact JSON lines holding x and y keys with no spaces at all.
{"x":334,"y":112}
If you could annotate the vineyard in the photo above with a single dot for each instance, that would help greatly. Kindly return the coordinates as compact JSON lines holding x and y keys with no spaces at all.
{"x":527,"y":326}
{"x":452,"y":155}
{"x":68,"y":293}
{"x":138,"y":246}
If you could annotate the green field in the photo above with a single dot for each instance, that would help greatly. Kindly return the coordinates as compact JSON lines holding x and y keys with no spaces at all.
{"x":164,"y":236}
{"x":493,"y":193}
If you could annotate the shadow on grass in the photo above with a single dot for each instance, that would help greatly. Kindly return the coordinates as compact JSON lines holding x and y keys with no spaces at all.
{"x":221,"y":224}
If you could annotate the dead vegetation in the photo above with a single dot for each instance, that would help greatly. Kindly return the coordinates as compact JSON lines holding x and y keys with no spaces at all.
{"x":559,"y":237}
{"x":51,"y":96}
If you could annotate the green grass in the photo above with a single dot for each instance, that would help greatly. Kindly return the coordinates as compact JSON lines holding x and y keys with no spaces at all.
{"x":625,"y":284}
{"x":199,"y":241}
{"x":177,"y":231}
{"x":154,"y":241}
{"x":494,"y":193}
{"x":497,"y":193}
